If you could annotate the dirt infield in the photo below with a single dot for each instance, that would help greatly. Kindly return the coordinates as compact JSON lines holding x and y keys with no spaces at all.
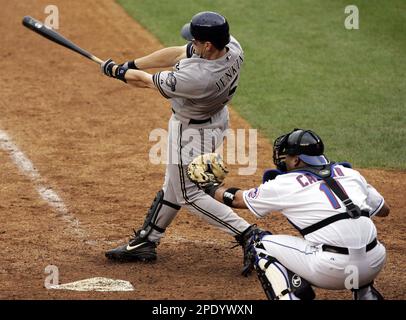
{"x":87,"y":137}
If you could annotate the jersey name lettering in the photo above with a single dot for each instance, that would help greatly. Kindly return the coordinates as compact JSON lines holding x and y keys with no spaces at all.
{"x":230,"y":74}
{"x":307,"y":178}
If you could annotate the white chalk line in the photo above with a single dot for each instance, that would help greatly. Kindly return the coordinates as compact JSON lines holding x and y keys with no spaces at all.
{"x":45,"y":192}
{"x":54,"y":200}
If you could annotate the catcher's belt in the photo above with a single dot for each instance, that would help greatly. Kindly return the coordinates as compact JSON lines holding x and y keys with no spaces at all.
{"x":342,"y":250}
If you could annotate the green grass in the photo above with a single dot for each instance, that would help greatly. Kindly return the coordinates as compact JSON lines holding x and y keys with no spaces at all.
{"x":304,"y":69}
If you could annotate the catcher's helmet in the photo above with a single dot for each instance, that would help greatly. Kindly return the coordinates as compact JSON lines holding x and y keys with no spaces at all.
{"x":304,"y":143}
{"x":208,"y":26}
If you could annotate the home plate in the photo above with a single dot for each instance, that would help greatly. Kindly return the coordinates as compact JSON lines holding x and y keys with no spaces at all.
{"x":95,"y":284}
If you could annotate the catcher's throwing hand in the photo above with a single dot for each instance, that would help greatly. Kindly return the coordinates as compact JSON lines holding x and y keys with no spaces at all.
{"x":207,"y":170}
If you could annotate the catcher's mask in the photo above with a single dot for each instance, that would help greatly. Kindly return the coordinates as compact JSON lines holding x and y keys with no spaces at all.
{"x":304,"y":143}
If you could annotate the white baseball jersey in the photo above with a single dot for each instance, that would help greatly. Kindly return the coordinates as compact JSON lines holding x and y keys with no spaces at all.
{"x":305,"y":200}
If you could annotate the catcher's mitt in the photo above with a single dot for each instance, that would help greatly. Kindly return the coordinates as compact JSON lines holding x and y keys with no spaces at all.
{"x":207,"y":169}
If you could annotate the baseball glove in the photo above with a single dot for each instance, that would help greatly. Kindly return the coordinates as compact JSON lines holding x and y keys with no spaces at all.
{"x":207,"y":169}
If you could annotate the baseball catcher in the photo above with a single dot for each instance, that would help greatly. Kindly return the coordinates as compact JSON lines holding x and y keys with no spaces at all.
{"x":329,"y":203}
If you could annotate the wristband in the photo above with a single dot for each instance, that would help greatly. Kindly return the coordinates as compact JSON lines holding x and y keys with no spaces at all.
{"x":120,"y":73}
{"x":229,"y":196}
{"x":131,"y":65}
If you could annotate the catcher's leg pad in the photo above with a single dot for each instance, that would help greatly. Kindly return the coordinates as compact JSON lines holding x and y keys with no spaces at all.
{"x":152,"y":214}
{"x":367,"y":292}
{"x":280,"y":283}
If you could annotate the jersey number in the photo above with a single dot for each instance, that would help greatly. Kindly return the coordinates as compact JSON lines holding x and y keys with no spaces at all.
{"x":330,"y":195}
{"x":231,"y":91}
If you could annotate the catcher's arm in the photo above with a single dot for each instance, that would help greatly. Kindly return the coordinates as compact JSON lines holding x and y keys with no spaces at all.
{"x":236,"y":202}
{"x":208,"y":172}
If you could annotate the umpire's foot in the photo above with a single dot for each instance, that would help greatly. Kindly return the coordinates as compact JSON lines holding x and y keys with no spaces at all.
{"x":138,"y":249}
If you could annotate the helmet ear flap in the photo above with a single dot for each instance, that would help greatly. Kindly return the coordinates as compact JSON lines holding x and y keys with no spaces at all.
{"x":279,"y":152}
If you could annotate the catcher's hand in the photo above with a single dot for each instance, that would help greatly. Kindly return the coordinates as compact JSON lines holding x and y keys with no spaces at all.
{"x":207,"y":170}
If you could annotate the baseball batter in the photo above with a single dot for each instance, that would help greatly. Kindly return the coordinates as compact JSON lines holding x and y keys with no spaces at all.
{"x":331,"y":205}
{"x":203,"y":81}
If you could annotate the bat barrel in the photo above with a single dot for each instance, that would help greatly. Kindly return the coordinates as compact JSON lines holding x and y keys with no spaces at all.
{"x":54,"y":36}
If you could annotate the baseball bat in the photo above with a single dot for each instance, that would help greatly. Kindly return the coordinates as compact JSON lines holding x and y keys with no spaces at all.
{"x":54,"y":36}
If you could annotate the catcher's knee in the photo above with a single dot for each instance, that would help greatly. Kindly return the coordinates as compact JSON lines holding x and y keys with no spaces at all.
{"x":152,"y":214}
{"x":279,"y":283}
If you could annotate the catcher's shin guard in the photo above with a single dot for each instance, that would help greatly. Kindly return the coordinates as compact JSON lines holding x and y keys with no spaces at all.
{"x":280,"y":283}
{"x":266,"y":285}
{"x":367,"y":292}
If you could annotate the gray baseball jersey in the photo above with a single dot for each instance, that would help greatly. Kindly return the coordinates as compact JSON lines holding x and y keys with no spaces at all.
{"x":200,"y":88}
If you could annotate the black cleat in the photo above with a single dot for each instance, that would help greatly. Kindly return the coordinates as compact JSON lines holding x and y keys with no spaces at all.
{"x":138,"y":249}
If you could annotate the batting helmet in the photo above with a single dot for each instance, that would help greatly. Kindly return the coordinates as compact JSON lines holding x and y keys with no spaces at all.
{"x":208,"y":26}
{"x":304,"y":143}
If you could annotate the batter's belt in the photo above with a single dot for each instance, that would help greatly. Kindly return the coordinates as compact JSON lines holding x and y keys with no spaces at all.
{"x":195,"y":121}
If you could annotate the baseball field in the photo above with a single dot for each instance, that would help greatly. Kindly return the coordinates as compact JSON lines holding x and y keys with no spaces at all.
{"x":75,"y":171}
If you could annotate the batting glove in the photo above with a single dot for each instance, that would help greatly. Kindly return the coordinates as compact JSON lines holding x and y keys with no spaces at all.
{"x":107,"y":67}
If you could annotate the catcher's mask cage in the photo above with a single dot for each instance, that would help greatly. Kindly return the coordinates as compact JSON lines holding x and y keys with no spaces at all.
{"x":208,"y":26}
{"x":304,"y":143}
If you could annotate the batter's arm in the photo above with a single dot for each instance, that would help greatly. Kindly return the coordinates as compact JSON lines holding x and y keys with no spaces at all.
{"x":137,"y":78}
{"x":140,"y":79}
{"x":162,"y":58}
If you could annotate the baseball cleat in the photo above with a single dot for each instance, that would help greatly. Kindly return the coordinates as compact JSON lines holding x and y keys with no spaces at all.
{"x":138,"y":249}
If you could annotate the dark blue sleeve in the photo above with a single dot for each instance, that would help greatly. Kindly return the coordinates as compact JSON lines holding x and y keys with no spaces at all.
{"x":271,"y":174}
{"x":189,"y":50}
{"x":345,"y":164}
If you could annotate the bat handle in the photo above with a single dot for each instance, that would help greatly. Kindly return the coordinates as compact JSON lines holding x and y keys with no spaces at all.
{"x":96,"y":59}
